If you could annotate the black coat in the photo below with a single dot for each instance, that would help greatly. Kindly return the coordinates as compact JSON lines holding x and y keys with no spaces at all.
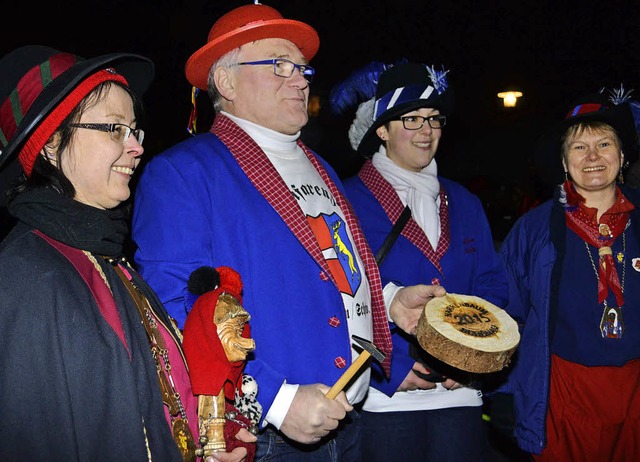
{"x":69,"y":390}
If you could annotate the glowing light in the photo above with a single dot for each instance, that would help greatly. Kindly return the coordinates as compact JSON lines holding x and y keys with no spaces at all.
{"x":510,"y":98}
{"x":314,"y":106}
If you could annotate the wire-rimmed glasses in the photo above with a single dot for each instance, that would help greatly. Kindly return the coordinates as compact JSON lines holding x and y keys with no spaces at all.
{"x":284,"y":68}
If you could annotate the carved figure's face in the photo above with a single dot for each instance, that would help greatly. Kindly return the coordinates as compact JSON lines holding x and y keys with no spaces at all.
{"x":230,"y":318}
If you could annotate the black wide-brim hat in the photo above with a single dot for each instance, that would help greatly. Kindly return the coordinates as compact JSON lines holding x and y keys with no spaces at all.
{"x":596,"y":107}
{"x":404,"y":88}
{"x":32,"y":68}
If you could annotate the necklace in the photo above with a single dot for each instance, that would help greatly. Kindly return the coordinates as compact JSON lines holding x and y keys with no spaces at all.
{"x":170,"y":396}
{"x":611,"y":323}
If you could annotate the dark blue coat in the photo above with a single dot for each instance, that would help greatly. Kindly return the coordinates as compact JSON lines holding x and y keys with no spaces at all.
{"x":530,"y":251}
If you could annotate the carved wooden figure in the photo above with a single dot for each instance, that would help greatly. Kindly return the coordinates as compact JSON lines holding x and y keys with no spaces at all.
{"x":216,"y":344}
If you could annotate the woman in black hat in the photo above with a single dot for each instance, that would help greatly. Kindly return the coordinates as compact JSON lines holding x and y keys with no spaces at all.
{"x":89,"y":353}
{"x":574,"y":273}
{"x":417,"y":414}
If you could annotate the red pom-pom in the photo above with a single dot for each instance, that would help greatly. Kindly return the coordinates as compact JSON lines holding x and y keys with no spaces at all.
{"x":230,"y":281}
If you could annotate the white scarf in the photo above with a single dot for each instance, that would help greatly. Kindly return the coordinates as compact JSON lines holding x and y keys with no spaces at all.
{"x":419,"y":190}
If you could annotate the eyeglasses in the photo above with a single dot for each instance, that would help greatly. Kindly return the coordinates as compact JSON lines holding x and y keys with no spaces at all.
{"x":415,"y":122}
{"x":118,"y":132}
{"x":284,"y":68}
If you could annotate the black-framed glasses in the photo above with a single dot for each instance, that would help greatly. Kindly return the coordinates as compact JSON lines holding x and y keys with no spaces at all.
{"x":118,"y":132}
{"x":416,"y":122}
{"x":284,"y":67}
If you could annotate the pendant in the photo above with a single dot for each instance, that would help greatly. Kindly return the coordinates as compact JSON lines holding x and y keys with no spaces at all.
{"x":184,"y":439}
{"x":604,"y":230}
{"x":611,"y":324}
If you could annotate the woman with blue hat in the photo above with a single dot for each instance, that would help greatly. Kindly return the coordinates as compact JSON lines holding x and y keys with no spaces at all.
{"x":574,"y":286}
{"x":418,"y":414}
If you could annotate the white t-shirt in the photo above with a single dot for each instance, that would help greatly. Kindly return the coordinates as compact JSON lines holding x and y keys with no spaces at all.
{"x":326,"y":219}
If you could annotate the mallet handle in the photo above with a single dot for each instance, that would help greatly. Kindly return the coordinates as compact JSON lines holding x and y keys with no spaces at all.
{"x":348,"y":374}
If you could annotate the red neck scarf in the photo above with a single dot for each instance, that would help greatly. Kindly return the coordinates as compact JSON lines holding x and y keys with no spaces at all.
{"x":583,"y":221}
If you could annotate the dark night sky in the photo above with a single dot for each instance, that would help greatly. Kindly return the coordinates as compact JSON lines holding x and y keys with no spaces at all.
{"x":553,"y":51}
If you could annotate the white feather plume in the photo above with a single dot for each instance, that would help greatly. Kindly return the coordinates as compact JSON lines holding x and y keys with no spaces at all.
{"x":362,"y":122}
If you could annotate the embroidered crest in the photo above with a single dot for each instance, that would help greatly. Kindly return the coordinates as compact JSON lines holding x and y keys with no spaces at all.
{"x":338,"y":251}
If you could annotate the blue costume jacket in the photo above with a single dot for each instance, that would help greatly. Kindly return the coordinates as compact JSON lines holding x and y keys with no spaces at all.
{"x":469,"y":265}
{"x":195,"y":206}
{"x":530,"y":250}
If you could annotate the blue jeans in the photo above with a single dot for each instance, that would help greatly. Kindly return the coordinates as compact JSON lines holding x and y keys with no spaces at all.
{"x":341,"y":445}
{"x":441,"y":435}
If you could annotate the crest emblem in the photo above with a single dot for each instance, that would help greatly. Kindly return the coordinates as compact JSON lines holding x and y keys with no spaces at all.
{"x":338,"y":251}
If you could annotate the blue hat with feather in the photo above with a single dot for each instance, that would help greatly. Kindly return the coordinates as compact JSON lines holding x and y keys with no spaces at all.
{"x":390,"y":91}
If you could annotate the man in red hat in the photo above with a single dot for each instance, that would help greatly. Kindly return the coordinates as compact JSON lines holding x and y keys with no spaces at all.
{"x":250,"y":195}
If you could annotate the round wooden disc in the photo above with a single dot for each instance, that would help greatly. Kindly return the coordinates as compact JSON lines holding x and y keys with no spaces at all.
{"x":468,"y":333}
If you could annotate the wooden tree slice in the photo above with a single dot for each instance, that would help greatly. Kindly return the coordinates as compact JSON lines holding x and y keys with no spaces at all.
{"x":468,"y":333}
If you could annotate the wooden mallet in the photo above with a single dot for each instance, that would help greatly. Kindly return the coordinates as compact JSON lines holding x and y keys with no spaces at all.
{"x":369,"y":350}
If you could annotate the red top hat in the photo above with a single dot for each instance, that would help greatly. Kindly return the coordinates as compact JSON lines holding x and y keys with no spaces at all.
{"x":246,"y":24}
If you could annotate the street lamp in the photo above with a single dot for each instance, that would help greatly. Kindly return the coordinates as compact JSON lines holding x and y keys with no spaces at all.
{"x":509,"y":98}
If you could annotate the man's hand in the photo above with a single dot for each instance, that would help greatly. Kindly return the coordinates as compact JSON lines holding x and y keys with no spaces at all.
{"x":312,"y":415}
{"x":407,"y":305}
